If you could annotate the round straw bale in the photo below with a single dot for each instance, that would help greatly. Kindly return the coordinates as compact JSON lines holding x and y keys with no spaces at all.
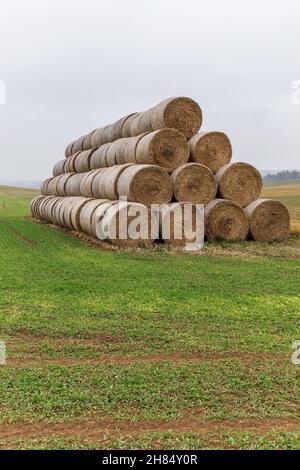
{"x":59,"y":167}
{"x":212,"y":149}
{"x":61,"y":184}
{"x":44,"y":187}
{"x":239,"y":182}
{"x":130,"y":149}
{"x":73,"y":184}
{"x":108,"y":181}
{"x":195,"y":183}
{"x":98,"y":215}
{"x":180,"y":113}
{"x":52,"y":186}
{"x":225,"y":220}
{"x":98,"y":158}
{"x":43,"y":204}
{"x":70,"y":163}
{"x":127,"y":124}
{"x":49,"y":209}
{"x":269,"y":220}
{"x":181,"y":223}
{"x":119,"y":127}
{"x":78,"y":145}
{"x":86,"y":214}
{"x":69,"y":149}
{"x":167,"y":148}
{"x":124,"y":223}
{"x":105,"y":134}
{"x":146,"y":184}
{"x":82,"y":161}
{"x":68,"y":211}
{"x":87,"y":182}
{"x":111,"y":132}
{"x":34,"y":206}
{"x":75,"y":213}
{"x":96,"y":183}
{"x":135,"y":125}
{"x":87,"y":143}
{"x":111,"y":154}
{"x":145,"y":122}
{"x":96,"y":138}
{"x":120,"y":149}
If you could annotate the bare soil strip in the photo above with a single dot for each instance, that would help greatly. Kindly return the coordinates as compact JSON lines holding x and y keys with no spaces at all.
{"x":107,"y":428}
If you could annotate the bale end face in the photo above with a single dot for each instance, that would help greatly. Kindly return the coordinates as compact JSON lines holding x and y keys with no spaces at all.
{"x":183,"y":114}
{"x":194,"y":183}
{"x":269,"y":220}
{"x":240,"y":183}
{"x":212,"y":149}
{"x":225,"y":220}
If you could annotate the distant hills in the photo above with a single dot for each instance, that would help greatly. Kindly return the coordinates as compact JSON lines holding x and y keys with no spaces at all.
{"x":31,"y":184}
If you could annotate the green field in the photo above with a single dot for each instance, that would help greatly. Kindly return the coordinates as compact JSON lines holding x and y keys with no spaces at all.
{"x":146,"y":348}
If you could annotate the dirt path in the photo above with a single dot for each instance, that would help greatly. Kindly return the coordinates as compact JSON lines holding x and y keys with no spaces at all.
{"x":106,"y":428}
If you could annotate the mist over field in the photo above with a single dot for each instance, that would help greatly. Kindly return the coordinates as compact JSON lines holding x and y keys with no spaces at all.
{"x":71,"y":66}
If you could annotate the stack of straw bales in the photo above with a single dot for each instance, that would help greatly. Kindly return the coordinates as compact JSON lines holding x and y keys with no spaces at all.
{"x":158,"y":157}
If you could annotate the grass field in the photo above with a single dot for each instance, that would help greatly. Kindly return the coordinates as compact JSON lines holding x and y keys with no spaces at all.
{"x":146,"y":349}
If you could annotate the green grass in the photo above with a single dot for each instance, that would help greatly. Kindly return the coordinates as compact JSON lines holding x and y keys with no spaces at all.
{"x":144,"y":336}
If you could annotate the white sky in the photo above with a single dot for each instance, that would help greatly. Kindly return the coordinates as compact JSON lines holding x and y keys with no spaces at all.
{"x":73,"y":65}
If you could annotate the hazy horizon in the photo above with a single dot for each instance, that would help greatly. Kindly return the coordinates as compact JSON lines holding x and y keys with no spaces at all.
{"x":71,"y":66}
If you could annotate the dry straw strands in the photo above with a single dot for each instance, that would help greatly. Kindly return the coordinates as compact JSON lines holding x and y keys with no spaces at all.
{"x":146,"y":184}
{"x":117,"y":222}
{"x":180,"y":113}
{"x":194,"y":183}
{"x":225,"y":220}
{"x":269,"y":220}
{"x":240,"y":183}
{"x":167,"y":148}
{"x":179,"y":225}
{"x":212,"y":149}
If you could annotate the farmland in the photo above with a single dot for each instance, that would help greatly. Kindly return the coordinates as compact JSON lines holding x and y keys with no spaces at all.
{"x":147,"y":348}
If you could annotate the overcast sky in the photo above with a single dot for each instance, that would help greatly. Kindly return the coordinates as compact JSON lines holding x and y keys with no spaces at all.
{"x":72,"y":65}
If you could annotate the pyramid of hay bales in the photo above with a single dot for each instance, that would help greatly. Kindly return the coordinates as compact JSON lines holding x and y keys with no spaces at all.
{"x":158,"y":157}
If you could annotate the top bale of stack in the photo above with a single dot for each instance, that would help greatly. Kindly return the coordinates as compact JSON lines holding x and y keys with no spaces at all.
{"x":180,"y":113}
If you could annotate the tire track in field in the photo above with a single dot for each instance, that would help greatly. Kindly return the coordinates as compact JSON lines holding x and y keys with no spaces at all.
{"x":19,"y":235}
{"x":102,"y":429}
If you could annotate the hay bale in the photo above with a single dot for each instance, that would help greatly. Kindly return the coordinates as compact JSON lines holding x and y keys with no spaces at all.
{"x":61,"y":184}
{"x":212,"y":149}
{"x":48,"y":208}
{"x":73,"y":183}
{"x":194,"y":183}
{"x":225,"y":220}
{"x":34,"y":207}
{"x":82,"y":161}
{"x":121,"y":149}
{"x":146,"y":184}
{"x":111,"y":154}
{"x":44,"y":187}
{"x":59,"y":168}
{"x":98,"y":158}
{"x":69,"y":149}
{"x":129,"y":155}
{"x":96,"y":138}
{"x":87,"y":143}
{"x":167,"y":148}
{"x":70,"y":163}
{"x":86,"y":214}
{"x":180,"y":113}
{"x":86,"y":183}
{"x":269,"y":220}
{"x":124,"y":223}
{"x":239,"y":182}
{"x":126,"y":128}
{"x":72,"y":203}
{"x":182,"y":224}
{"x":76,"y":211}
{"x":108,"y":182}
{"x":78,"y":145}
{"x":96,"y":184}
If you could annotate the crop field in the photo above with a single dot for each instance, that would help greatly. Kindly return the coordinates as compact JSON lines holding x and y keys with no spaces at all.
{"x":146,"y":348}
